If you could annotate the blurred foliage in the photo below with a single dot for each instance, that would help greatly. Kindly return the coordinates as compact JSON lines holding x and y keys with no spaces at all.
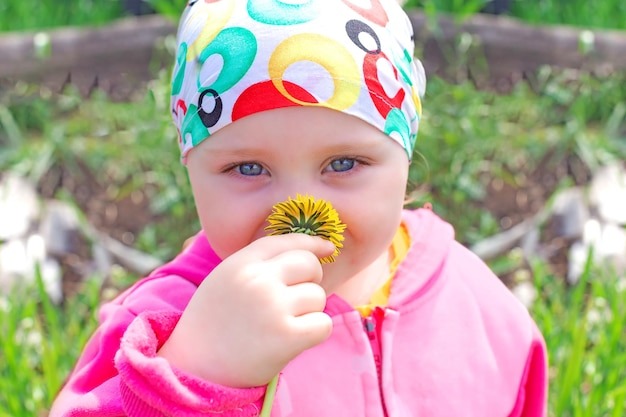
{"x":460,"y":8}
{"x":125,"y":146}
{"x":40,"y":343}
{"x":18,"y":15}
{"x":169,"y":8}
{"x":468,"y":137}
{"x":605,"y":14}
{"x":583,"y":328}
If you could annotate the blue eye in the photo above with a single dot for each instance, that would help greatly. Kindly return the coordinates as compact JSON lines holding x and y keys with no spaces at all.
{"x":250,"y":169}
{"x":341,"y":165}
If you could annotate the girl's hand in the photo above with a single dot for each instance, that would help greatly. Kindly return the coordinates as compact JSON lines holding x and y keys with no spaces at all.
{"x":259,"y":309}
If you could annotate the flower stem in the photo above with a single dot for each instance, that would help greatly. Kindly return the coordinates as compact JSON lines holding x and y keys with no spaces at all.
{"x":266,"y":410}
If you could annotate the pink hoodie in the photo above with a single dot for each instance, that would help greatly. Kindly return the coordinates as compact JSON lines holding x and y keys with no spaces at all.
{"x":452,"y":341}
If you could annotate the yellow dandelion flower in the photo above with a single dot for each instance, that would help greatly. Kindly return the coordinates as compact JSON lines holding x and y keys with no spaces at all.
{"x":306,"y":215}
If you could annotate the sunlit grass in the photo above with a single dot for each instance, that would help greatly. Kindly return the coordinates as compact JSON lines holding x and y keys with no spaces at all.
{"x":465,"y":134}
{"x":40,"y":343}
{"x":605,"y":14}
{"x":583,"y":327}
{"x":19,"y":15}
{"x":584,"y":331}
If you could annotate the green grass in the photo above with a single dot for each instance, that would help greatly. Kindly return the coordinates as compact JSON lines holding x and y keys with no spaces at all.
{"x":583,"y":327}
{"x":127,"y":146}
{"x":466,"y":137}
{"x":584,"y":331}
{"x":16,"y":15}
{"x":19,"y":15}
{"x":605,"y":14}
{"x":470,"y":136}
{"x":40,"y":343}
{"x":460,"y":8}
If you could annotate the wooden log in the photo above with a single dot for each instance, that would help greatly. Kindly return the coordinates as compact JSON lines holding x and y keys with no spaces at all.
{"x":114,"y":56}
{"x":124,"y":52}
{"x":129,"y":41}
{"x":510,"y":47}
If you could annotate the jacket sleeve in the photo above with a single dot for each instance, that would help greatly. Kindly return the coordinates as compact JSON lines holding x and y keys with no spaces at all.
{"x":120,"y":374}
{"x":533,"y":391}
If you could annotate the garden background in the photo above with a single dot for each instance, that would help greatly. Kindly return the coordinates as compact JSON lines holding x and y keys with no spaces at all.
{"x":494,"y":157}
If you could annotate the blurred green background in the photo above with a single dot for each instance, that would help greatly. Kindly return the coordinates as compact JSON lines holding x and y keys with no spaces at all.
{"x":564,"y":125}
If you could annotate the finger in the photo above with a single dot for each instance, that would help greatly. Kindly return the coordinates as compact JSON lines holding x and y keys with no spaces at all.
{"x":297,"y":266}
{"x":270,"y":246}
{"x":306,"y":298}
{"x":310,"y":330}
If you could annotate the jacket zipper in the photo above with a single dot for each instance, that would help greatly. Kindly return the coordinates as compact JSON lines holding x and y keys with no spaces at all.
{"x":373,"y":325}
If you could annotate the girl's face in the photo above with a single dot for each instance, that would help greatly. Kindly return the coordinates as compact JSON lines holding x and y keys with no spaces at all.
{"x":240,"y":172}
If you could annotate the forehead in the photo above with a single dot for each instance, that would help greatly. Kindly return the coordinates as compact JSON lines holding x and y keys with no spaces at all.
{"x":298,"y":127}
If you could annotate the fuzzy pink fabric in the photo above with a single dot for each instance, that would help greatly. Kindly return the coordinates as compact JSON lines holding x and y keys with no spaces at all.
{"x":151,"y":387}
{"x":454,"y":342}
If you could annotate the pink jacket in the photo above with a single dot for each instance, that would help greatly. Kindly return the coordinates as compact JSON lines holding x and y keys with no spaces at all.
{"x":452,"y":341}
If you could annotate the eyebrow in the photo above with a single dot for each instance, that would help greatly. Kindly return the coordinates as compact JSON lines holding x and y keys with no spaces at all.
{"x":253,"y":152}
{"x":237,"y":151}
{"x":350,"y":147}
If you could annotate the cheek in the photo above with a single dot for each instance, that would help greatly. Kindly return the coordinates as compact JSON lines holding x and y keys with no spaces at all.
{"x":223,"y":244}
{"x":374,"y":226}
{"x":221,"y":240}
{"x":367,"y":237}
{"x":373,"y":222}
{"x":227,"y":235}
{"x":229,"y":225}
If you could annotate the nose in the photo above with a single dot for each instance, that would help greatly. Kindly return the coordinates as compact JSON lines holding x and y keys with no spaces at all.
{"x":287,"y":189}
{"x":291,"y":187}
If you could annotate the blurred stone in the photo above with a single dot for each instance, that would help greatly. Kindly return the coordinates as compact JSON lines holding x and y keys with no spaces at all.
{"x":23,"y":252}
{"x":570,"y":212}
{"x":577,"y":258}
{"x":52,"y":277}
{"x":580,"y":221}
{"x":138,"y":7}
{"x":13,"y":261}
{"x":49,"y":238}
{"x":608,"y":193}
{"x":102,"y":259}
{"x":19,"y":207}
{"x":613,"y":242}
{"x":59,"y":222}
{"x":607,"y":239}
{"x":497,"y":7}
{"x":530,"y":243}
{"x":19,"y":261}
{"x":500,"y":243}
{"x":132,"y":259}
{"x":608,"y":243}
{"x":525,"y":293}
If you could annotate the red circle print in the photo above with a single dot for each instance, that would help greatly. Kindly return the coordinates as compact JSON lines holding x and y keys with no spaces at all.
{"x":264,"y":96}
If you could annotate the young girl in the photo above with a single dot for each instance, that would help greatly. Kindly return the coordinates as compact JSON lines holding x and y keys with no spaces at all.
{"x":321,"y":97}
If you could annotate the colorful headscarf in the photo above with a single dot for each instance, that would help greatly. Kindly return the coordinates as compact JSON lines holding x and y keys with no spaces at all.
{"x":237,"y":58}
